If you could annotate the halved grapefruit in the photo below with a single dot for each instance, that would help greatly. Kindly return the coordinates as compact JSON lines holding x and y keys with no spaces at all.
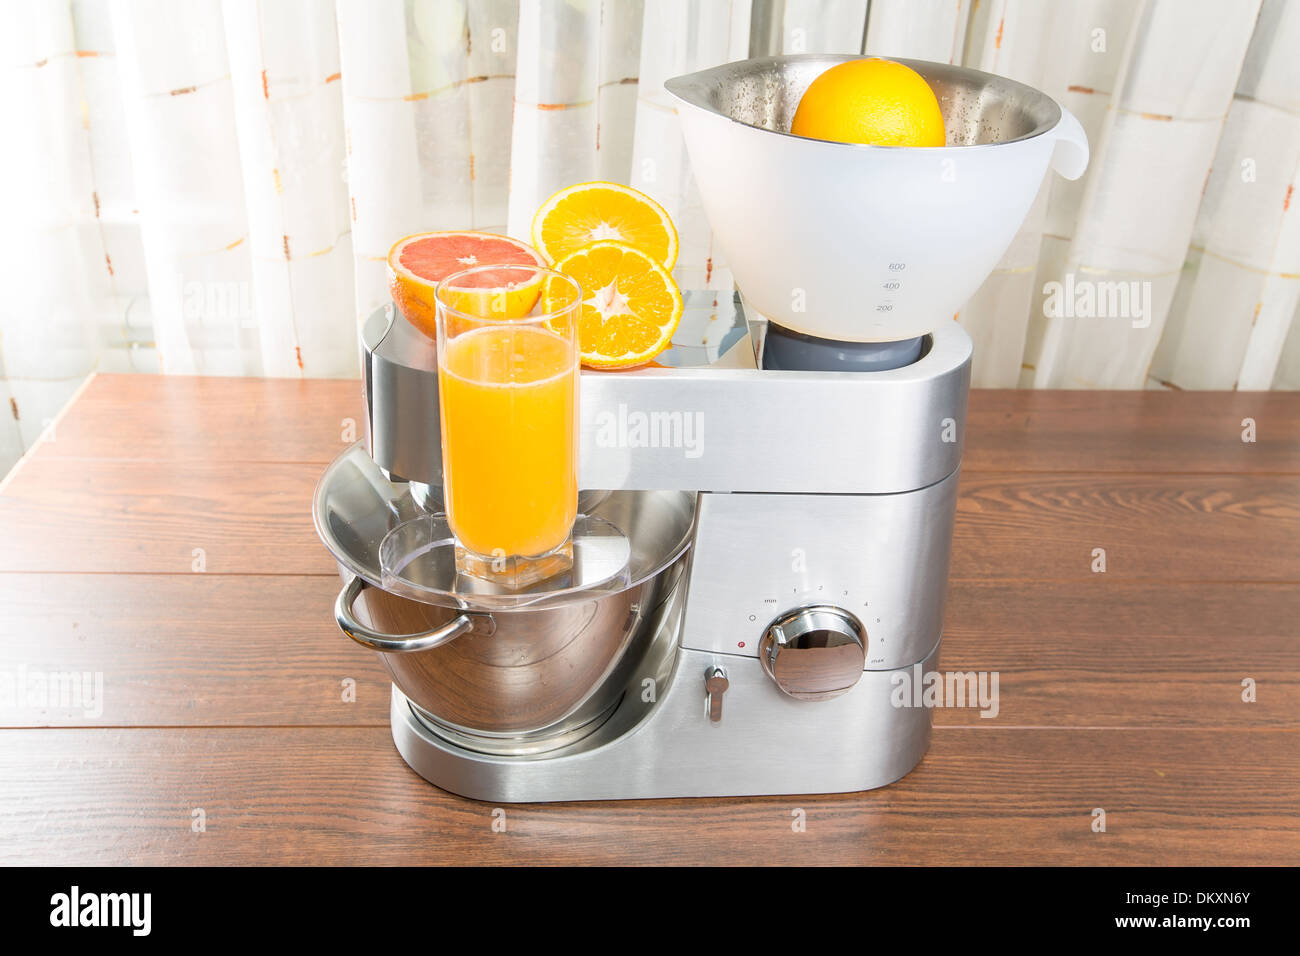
{"x":417,"y":263}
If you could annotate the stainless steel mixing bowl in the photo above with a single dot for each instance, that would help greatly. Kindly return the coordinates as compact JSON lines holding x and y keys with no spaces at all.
{"x":504,"y":679}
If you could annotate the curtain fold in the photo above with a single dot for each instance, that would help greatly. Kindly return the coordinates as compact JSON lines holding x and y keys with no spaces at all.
{"x":212,"y":187}
{"x":427,"y":91}
{"x":1241,"y":283}
{"x":922,"y":31}
{"x":681,"y":36}
{"x":823,"y":26}
{"x":1140,"y":201}
{"x":284,"y":67}
{"x":575,"y":99}
{"x":179,"y":105}
{"x":1075,"y":55}
{"x":54,"y":255}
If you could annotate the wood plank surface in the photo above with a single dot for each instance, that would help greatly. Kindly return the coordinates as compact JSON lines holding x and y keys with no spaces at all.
{"x":1113,"y":653}
{"x":187,"y":650}
{"x":150,"y":516}
{"x":1114,"y":431}
{"x":222,"y":688}
{"x":1151,"y":526}
{"x":242,"y":650}
{"x":249,"y":419}
{"x":342,"y":796}
{"x":205,"y":418}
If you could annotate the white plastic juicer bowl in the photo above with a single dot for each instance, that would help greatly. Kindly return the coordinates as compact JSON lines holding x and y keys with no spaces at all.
{"x":861,"y":243}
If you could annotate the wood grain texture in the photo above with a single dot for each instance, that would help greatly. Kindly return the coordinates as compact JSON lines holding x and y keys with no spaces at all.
{"x":205,"y":418}
{"x":222,"y":689}
{"x":149,"y":517}
{"x":1113,"y":431}
{"x":337,"y":796}
{"x":237,"y":650}
{"x":178,"y":417}
{"x":1113,"y":653}
{"x":1153,"y":526}
{"x":186,"y":650}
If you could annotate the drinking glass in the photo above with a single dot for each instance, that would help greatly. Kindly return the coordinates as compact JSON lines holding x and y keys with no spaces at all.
{"x":508,"y":364}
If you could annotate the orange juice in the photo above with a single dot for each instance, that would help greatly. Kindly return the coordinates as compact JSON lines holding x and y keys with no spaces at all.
{"x":508,"y":399}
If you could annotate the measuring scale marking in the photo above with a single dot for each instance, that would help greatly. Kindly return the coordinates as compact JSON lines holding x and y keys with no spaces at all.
{"x":892,"y":285}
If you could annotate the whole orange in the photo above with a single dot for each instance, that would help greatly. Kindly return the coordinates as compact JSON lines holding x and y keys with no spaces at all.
{"x":870,"y":101}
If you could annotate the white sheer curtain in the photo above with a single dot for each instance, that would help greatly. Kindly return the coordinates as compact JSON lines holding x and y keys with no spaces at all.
{"x":211,"y":186}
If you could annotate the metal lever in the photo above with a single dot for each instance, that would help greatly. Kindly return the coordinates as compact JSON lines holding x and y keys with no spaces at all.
{"x":716,"y":684}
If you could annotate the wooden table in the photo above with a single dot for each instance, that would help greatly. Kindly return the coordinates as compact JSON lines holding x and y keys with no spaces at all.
{"x":162,"y":536}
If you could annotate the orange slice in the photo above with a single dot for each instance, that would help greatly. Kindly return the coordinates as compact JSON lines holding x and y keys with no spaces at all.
{"x":417,"y":263}
{"x":598,"y":212}
{"x":630,"y":307}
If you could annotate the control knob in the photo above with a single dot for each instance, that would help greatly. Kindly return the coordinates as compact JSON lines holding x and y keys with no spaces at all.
{"x":814,"y":653}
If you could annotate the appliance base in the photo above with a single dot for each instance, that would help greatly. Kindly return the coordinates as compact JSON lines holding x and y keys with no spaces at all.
{"x":765,"y":743}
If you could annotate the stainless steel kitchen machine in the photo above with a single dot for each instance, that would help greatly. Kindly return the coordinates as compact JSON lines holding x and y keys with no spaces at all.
{"x":770,"y":511}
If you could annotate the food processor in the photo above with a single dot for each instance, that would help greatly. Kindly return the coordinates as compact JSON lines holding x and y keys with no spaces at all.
{"x":769,"y":507}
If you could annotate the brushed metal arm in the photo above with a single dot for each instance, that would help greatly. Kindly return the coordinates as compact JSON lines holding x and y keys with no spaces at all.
{"x":399,"y":643}
{"x":721,"y":427}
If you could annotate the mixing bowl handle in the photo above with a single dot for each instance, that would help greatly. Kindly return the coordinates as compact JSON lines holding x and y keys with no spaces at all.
{"x":379,"y":641}
{"x":1070,"y":155}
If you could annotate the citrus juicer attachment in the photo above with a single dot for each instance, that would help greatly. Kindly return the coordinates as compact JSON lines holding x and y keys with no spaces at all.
{"x":785,"y":478}
{"x":866,"y":243}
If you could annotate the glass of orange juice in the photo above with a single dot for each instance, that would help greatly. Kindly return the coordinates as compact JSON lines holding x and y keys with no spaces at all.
{"x":508,"y":400}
